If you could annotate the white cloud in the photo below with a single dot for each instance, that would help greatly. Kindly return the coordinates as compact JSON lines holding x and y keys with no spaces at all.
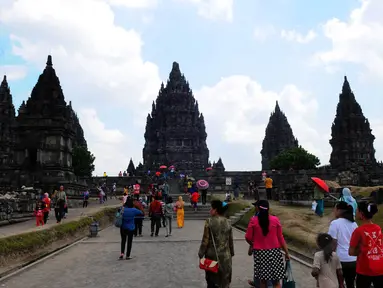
{"x":263,"y":32}
{"x":295,"y":36}
{"x":108,"y":145}
{"x":13,"y":72}
{"x":95,"y":59}
{"x":358,"y":40}
{"x":239,"y":109}
{"x":213,"y":9}
{"x":134,"y":3}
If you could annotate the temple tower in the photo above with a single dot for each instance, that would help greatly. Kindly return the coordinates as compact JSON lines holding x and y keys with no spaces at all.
{"x":278,"y":137}
{"x":7,"y":121}
{"x":175,"y":130}
{"x":351,"y":138}
{"x":46,"y":132}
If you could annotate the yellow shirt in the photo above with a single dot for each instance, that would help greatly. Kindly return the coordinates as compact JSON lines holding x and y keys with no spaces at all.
{"x":269,"y":183}
{"x":190,"y":183}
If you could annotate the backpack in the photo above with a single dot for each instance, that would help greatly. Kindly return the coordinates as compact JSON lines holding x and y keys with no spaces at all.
{"x":118,"y":218}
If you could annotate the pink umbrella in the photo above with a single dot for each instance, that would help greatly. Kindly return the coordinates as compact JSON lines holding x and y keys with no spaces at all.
{"x":202,"y":184}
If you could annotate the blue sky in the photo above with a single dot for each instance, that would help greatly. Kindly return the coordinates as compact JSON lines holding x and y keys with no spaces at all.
{"x":111,"y":60}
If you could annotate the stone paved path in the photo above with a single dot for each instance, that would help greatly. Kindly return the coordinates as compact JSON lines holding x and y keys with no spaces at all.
{"x":74,"y":213}
{"x":158,"y":262}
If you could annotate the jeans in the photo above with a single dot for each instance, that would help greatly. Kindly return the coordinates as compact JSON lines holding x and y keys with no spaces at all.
{"x":126,"y":234}
{"x":85,"y":204}
{"x":168,"y":225}
{"x":363,"y":281}
{"x":268,"y":193}
{"x":155,"y":221}
{"x":349,"y":273}
{"x":138,"y":226}
{"x":204,"y":195}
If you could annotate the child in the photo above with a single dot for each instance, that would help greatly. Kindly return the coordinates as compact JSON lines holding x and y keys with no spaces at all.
{"x":326,"y":267}
{"x":39,"y":214}
{"x":367,"y":244}
{"x":194,"y":200}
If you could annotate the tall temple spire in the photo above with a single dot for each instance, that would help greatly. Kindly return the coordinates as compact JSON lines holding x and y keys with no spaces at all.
{"x":175,"y":134}
{"x":351,"y":138}
{"x":278,"y":137}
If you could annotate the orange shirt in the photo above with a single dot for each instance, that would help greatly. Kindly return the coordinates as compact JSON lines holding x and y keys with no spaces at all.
{"x":268,"y":183}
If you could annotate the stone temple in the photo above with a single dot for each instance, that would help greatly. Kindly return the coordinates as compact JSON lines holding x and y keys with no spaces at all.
{"x":278,"y":137}
{"x":352,"y":141}
{"x":175,"y":130}
{"x":36,"y":145}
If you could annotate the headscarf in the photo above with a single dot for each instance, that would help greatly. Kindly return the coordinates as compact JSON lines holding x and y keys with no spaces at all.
{"x":180,"y":202}
{"x":346,"y":197}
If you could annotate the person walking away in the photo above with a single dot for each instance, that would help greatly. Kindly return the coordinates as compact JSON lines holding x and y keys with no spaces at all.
{"x":165,"y":191}
{"x":155,"y":214}
{"x":319,"y":198}
{"x":138,"y":220}
{"x":169,"y":208}
{"x":39,"y":213}
{"x":127,"y":228}
{"x":217,"y":244}
{"x":46,"y":207}
{"x":60,"y":201}
{"x":65,"y":207}
{"x":180,"y":204}
{"x":347,"y":197}
{"x":264,"y":233}
{"x":269,"y":187}
{"x":86,"y":199}
{"x":203,"y":196}
{"x":163,"y":211}
{"x":194,"y":200}
{"x":367,"y":245}
{"x":136,"y":190}
{"x":326,"y":267}
{"x":341,"y":230}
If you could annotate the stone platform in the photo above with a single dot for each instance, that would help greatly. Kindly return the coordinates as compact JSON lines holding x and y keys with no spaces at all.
{"x":157,"y":262}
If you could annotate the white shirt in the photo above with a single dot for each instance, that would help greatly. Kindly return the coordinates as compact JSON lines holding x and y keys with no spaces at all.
{"x":341,"y":229}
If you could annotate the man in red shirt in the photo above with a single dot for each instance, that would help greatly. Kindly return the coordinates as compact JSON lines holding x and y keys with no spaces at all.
{"x":367,"y":244}
{"x":155,"y":214}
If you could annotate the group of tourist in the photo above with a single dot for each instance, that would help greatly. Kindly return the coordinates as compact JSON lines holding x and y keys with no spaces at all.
{"x":161,"y":214}
{"x":347,"y":254}
{"x":44,"y":203}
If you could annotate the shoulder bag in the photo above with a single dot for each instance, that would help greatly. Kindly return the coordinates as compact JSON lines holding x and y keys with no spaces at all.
{"x":207,"y":264}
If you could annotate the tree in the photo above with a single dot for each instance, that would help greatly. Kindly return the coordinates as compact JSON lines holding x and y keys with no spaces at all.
{"x":295,"y":158}
{"x":82,"y":161}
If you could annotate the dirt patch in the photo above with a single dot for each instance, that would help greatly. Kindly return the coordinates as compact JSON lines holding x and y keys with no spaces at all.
{"x":17,"y":250}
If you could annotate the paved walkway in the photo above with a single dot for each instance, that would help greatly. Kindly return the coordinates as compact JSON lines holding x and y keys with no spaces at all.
{"x":157,"y":262}
{"x":74,"y":213}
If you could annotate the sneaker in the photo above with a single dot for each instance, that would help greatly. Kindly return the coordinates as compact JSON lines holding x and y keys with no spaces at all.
{"x":151,"y":234}
{"x":156,"y":235}
{"x":166,"y":235}
{"x":121,"y":256}
{"x":128,"y":257}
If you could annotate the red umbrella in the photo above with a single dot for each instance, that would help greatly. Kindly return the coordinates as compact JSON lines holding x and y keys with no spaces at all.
{"x":163,"y":167}
{"x":172,"y":167}
{"x":202,"y":184}
{"x":158,"y":173}
{"x":321,"y":184}
{"x":209,"y":168}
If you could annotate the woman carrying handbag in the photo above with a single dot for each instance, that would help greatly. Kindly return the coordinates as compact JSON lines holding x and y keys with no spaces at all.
{"x":217,"y":248}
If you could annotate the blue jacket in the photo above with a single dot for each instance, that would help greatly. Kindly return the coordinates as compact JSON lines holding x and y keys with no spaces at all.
{"x":128,"y":218}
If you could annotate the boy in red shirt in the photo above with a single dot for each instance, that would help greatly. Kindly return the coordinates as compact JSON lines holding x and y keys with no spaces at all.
{"x":367,"y":244}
